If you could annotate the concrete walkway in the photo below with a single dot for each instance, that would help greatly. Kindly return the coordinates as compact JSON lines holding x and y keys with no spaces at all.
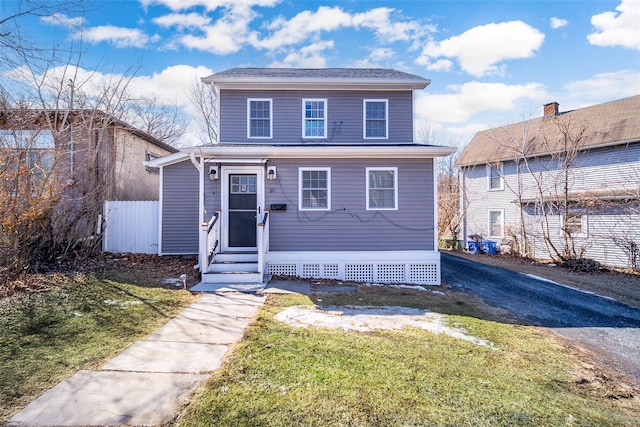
{"x":147,"y":383}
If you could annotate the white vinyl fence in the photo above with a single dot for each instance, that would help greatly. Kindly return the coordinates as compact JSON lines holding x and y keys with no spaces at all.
{"x":131,"y":226}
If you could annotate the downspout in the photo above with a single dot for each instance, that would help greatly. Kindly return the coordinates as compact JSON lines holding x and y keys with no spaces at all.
{"x":202,"y":240}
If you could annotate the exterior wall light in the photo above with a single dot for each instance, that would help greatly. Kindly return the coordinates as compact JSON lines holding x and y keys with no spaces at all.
{"x":213,"y":173}
{"x":271,"y":173}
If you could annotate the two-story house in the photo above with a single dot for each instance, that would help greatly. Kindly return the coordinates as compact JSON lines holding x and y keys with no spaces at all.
{"x":316,"y":175}
{"x":564,"y":185}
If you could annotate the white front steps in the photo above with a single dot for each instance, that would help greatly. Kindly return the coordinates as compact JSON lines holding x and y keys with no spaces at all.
{"x":233,"y":267}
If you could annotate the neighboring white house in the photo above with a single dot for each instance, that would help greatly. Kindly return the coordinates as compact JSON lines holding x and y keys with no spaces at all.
{"x":565,"y":185}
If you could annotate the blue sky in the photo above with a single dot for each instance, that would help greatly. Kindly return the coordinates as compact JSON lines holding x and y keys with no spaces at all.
{"x":490,"y":62}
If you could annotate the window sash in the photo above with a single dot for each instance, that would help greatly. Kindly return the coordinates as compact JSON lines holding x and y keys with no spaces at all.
{"x":375,"y":118}
{"x":315,"y":189}
{"x":496,"y":223}
{"x":382,"y":188}
{"x":314,"y":118}
{"x":495,"y":177}
{"x":259,"y":118}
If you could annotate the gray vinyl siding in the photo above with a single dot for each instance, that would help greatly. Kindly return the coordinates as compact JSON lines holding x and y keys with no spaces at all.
{"x":611,"y":168}
{"x":344,"y":116}
{"x":349,"y":226}
{"x":180,"y":225}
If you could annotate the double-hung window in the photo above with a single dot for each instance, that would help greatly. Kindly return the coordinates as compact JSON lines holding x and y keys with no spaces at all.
{"x":574,"y":222}
{"x":496,"y":223}
{"x":382,"y":188}
{"x":315,"y":189}
{"x":494,"y":177}
{"x":376,"y":122}
{"x":314,"y":118}
{"x":259,"y":118}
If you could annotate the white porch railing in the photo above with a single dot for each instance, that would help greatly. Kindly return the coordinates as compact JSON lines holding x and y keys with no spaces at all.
{"x":211,"y":229}
{"x":263,"y":242}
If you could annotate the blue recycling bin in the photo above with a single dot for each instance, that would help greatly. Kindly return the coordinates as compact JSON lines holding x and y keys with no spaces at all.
{"x":489,"y":246}
{"x":473,"y":247}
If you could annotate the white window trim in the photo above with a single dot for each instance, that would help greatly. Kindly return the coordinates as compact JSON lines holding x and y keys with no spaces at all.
{"x":395,"y":187}
{"x":492,"y":236}
{"x":364,"y":118}
{"x":500,"y":171}
{"x":306,"y":169}
{"x":304,"y":119}
{"x":584,"y":225}
{"x":249,"y":100}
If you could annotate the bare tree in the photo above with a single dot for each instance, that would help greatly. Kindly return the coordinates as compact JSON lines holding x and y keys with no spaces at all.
{"x":204,"y":100}
{"x":164,"y":122}
{"x":52,"y":197}
{"x":450,"y":213}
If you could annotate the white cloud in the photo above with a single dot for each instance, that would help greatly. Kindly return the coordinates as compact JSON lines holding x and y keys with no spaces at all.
{"x":307,"y":57}
{"x":466,"y":100}
{"x":118,"y":36}
{"x":62,"y":19}
{"x":178,"y":5}
{"x":182,"y":21}
{"x":381,"y":54}
{"x":226,"y":36}
{"x":480,"y":49}
{"x":618,"y":28}
{"x":379,"y":20}
{"x":301,"y":26}
{"x":440,"y":65}
{"x":603,"y":87}
{"x":558,"y":23}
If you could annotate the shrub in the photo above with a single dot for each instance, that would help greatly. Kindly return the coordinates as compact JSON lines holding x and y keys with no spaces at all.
{"x":583,"y":265}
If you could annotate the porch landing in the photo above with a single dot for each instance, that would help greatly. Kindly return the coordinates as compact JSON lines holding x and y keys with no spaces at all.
{"x":247,"y":288}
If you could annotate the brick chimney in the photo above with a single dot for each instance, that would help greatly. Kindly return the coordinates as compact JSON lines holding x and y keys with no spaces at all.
{"x":551,"y":109}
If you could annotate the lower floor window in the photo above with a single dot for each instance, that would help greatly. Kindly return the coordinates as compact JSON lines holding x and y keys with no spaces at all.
{"x":382,"y":188}
{"x":573,"y":222}
{"x":315,"y":189}
{"x":496,"y":223}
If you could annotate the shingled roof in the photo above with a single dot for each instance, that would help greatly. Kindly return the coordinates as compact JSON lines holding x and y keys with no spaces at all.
{"x":611,"y":123}
{"x":318,"y":76}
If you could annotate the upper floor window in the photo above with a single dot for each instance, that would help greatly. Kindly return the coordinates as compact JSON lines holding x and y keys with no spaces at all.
{"x":315,"y":189}
{"x":494,"y":174}
{"x":382,"y":188}
{"x":376,"y":123}
{"x":314,"y":118}
{"x":259,"y":118}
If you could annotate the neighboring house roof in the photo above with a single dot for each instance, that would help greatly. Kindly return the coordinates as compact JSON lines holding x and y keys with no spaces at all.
{"x":612,"y":123}
{"x":316,"y":78}
{"x":32,"y":115}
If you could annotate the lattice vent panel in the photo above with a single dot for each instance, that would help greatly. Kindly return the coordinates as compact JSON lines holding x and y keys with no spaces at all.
{"x":358,"y":272}
{"x":283,"y":269}
{"x":391,"y":273}
{"x":330,"y":270}
{"x":423,"y":273}
{"x":311,"y":270}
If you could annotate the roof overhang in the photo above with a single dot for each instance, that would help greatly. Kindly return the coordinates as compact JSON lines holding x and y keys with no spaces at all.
{"x":246,"y":152}
{"x":274,"y":83}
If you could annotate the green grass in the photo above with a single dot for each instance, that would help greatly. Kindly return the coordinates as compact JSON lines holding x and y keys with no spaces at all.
{"x":281,"y":375}
{"x":46,"y":337}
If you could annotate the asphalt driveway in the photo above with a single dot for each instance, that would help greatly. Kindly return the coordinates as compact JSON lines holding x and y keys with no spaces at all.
{"x":608,"y":328}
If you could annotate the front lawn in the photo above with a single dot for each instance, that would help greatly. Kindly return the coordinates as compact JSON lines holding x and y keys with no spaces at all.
{"x":282,"y":375}
{"x":79,"y":323}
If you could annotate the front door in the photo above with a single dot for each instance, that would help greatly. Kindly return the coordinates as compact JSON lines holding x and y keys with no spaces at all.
{"x":242,"y":210}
